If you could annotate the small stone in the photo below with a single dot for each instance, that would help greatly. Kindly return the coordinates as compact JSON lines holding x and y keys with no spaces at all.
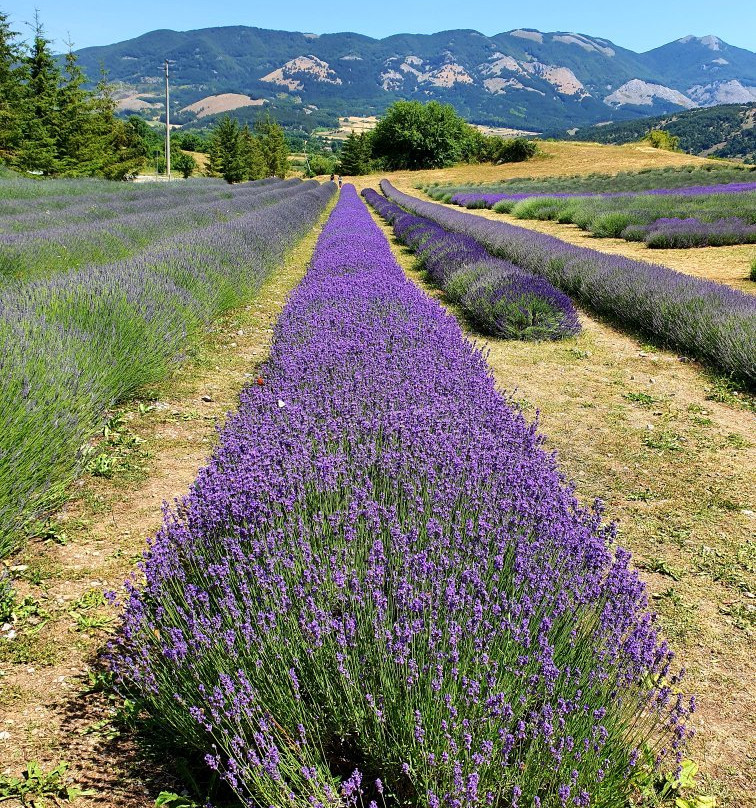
{"x":207,"y":398}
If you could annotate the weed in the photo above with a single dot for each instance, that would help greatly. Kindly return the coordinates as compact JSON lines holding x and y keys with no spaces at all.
{"x":641,"y":398}
{"x":661,"y":567}
{"x":664,"y":441}
{"x":578,"y":353}
{"x":743,"y":615}
{"x":34,"y":787}
{"x":640,"y":496}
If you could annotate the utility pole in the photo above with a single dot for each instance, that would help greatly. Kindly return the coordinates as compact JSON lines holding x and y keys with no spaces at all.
{"x":167,"y":127}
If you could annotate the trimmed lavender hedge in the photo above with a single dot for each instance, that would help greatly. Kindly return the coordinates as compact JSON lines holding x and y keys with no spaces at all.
{"x":381,"y":590}
{"x":73,"y":344}
{"x":475,"y":199}
{"x":704,"y":319}
{"x":498,"y":297}
{"x":667,"y":233}
{"x":122,"y":225}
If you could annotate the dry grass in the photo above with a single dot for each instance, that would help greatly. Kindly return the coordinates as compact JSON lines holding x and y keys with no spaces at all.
{"x":638,"y":428}
{"x":45,"y":708}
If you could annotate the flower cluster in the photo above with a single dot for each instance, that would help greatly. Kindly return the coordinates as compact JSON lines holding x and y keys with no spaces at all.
{"x":704,"y":319}
{"x":74,"y":343}
{"x":497,"y":297}
{"x":381,"y":586}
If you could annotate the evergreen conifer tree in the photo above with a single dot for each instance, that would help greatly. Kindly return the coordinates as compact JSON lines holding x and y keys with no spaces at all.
{"x":12,"y":79}
{"x":38,"y":150}
{"x":226,"y":157}
{"x":274,"y":147}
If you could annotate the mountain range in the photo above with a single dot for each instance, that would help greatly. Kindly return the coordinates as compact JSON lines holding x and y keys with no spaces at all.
{"x":524,"y":79}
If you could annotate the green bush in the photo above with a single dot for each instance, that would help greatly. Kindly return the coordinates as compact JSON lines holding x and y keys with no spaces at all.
{"x":753,"y":269}
{"x":610,"y":225}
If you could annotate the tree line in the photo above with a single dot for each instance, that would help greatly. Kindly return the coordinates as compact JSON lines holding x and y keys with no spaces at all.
{"x":50,"y":124}
{"x":412,"y":135}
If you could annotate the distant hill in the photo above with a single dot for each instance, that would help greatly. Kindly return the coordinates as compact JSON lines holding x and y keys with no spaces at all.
{"x":524,"y":79}
{"x":728,"y":130}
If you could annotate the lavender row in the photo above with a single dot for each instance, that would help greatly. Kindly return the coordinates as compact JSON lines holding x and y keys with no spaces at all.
{"x":381,"y":590}
{"x":97,"y":240}
{"x":497,"y":297}
{"x":703,"y":319}
{"x":51,"y":213}
{"x":472,"y":198}
{"x":73,"y":344}
{"x":676,"y":233}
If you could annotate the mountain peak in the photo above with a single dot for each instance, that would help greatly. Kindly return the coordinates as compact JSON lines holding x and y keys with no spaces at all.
{"x":709,"y":41}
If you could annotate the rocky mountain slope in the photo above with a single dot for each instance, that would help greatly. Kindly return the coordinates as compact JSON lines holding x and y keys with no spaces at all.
{"x":523,"y":78}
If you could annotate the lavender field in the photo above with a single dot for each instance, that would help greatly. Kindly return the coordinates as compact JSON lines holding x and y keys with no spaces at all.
{"x":705,"y":320}
{"x":697,"y":216}
{"x":76,"y":339}
{"x":380,"y":589}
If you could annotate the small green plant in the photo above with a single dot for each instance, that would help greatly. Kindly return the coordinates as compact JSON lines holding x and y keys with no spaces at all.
{"x":663,"y":441}
{"x":641,"y":398}
{"x":753,"y":270}
{"x":660,"y":567}
{"x":7,"y":597}
{"x":35,"y":787}
{"x":169,"y":799}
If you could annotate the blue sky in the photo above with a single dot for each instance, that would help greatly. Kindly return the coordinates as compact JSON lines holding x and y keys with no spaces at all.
{"x":638,"y":24}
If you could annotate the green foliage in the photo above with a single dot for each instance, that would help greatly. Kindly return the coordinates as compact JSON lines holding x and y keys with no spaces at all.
{"x":724,"y":130}
{"x":753,"y":270}
{"x":412,"y":135}
{"x":12,"y":77}
{"x":35,"y":787}
{"x":237,"y":155}
{"x":50,"y":124}
{"x":273,"y":147}
{"x":321,"y":164}
{"x":662,"y":139}
{"x":186,"y":164}
{"x":356,"y":155}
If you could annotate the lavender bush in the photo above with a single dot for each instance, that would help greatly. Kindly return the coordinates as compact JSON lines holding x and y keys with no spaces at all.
{"x":381,"y":590}
{"x":668,"y":233}
{"x":704,"y":319}
{"x":44,"y":244}
{"x":497,"y":297}
{"x":73,"y":344}
{"x":670,"y":177}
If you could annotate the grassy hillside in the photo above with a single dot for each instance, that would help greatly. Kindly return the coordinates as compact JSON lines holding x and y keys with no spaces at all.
{"x":728,"y":130}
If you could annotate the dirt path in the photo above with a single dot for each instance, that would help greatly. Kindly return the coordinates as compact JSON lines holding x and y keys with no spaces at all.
{"x":638,"y":428}
{"x":47,"y":713}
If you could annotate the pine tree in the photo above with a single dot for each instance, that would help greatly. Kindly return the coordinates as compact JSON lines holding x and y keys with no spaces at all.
{"x":79,"y":152}
{"x":226,"y":157}
{"x":40,"y":110}
{"x":274,"y":147}
{"x":255,"y":167}
{"x":12,"y":80}
{"x":355,"y":155}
